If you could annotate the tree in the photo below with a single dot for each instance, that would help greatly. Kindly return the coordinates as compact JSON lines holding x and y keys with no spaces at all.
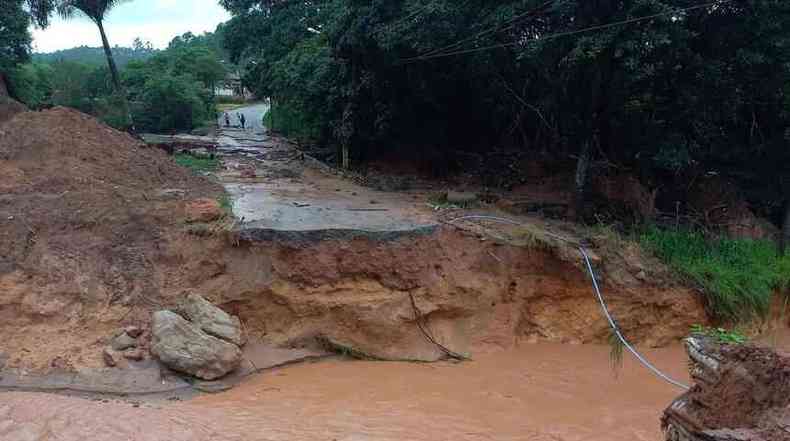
{"x":16,"y":17}
{"x":195,"y":55}
{"x":669,"y":90}
{"x":14,"y":36}
{"x":96,"y":11}
{"x":32,"y":84}
{"x":172,"y":102}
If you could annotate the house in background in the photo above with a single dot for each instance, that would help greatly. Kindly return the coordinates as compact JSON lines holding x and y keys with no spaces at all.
{"x":232,"y":87}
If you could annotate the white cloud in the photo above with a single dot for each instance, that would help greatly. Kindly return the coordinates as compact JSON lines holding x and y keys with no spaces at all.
{"x":159,"y":23}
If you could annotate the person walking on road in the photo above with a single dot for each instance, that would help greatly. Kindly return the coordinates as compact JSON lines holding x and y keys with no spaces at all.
{"x":227,"y":120}
{"x":242,"y":120}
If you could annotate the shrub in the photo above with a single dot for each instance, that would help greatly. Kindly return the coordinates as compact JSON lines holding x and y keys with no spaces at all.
{"x":197,"y":163}
{"x":170,"y":102}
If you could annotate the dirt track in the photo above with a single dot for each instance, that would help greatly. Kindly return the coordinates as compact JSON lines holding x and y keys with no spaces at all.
{"x":279,"y":193}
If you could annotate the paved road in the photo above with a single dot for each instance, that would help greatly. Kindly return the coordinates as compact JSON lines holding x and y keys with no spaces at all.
{"x":275,"y":192}
{"x":254,"y":115}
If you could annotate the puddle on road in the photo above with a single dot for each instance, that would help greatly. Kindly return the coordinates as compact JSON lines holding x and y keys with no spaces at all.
{"x":537,"y":392}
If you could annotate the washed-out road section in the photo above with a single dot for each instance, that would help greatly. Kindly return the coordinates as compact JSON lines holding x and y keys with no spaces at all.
{"x":279,"y":193}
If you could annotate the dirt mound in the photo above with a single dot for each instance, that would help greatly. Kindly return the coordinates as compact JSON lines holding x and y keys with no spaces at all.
{"x":65,"y":172}
{"x":82,"y":210}
{"x":740,"y":393}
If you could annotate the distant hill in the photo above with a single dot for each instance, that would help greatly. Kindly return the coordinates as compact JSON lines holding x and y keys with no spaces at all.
{"x":95,"y":55}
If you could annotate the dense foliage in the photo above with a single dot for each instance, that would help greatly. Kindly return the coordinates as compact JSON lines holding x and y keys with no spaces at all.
{"x":16,"y":17}
{"x":173,"y":90}
{"x":14,"y":36}
{"x":660,"y":87}
{"x":96,"y":56}
{"x":169,"y":90}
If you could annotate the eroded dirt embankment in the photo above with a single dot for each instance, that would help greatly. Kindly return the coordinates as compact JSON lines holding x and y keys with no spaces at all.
{"x":95,"y":235}
{"x":475,"y":295}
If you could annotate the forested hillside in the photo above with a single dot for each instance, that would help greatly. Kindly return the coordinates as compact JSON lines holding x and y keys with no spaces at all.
{"x":171,"y":89}
{"x":667,"y":89}
{"x":95,"y":55}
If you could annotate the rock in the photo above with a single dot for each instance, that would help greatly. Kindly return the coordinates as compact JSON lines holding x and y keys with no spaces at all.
{"x":133,"y":331}
{"x":184,"y":347}
{"x":111,"y":357}
{"x":212,"y":387}
{"x":203,"y":210}
{"x":60,"y":363}
{"x":122,"y":342}
{"x":461,"y":197}
{"x":171,"y":193}
{"x":211,"y":319}
{"x":135,"y":354}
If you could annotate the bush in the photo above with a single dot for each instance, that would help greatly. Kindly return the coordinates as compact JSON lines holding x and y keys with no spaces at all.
{"x":291,"y":122}
{"x":110,"y":109}
{"x":170,"y":102}
{"x":197,"y":163}
{"x":738,"y":276}
{"x":31,"y":84}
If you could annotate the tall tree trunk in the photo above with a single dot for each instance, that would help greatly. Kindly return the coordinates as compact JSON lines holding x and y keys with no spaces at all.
{"x":116,"y":79}
{"x":580,"y":180}
{"x":785,"y":240}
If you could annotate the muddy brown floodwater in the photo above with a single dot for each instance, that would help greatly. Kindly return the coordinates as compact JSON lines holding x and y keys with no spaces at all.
{"x":536,"y":392}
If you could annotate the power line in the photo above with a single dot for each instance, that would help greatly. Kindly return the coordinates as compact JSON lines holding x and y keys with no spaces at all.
{"x":509,"y":24}
{"x":565,"y":34}
{"x":596,"y":290}
{"x":404,"y":20}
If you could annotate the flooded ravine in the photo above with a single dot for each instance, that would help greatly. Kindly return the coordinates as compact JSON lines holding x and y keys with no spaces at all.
{"x":534,"y":392}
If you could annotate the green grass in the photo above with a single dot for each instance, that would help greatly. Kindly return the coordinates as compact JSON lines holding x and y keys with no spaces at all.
{"x":197,"y":163}
{"x":226,"y":204}
{"x":738,"y":276}
{"x":720,"y":334}
{"x":616,"y":349}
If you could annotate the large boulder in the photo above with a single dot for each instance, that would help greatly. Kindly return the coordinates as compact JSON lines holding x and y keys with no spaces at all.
{"x":184,"y":347}
{"x":210,"y":319}
{"x":740,"y":393}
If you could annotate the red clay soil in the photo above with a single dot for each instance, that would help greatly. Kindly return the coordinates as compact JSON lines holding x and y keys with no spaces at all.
{"x":80,"y":217}
{"x":90,"y":241}
{"x":744,"y":396}
{"x":741,"y":401}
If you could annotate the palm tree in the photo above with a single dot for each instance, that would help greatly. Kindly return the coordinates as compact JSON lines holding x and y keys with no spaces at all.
{"x":97,"y":10}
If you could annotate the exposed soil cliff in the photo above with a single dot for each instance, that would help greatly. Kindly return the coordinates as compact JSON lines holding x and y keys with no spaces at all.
{"x":94,"y":235}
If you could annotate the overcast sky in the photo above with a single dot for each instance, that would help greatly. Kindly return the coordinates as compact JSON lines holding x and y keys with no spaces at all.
{"x":157,"y":21}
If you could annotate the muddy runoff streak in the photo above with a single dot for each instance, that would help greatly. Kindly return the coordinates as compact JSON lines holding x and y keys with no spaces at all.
{"x":536,"y":392}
